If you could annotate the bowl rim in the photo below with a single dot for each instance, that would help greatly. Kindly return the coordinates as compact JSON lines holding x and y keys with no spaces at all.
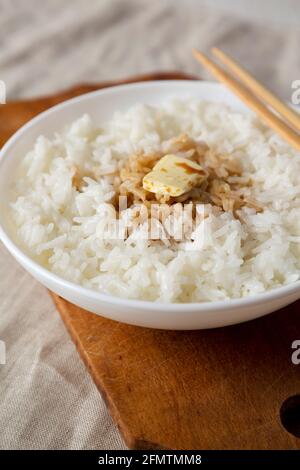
{"x":34,"y":267}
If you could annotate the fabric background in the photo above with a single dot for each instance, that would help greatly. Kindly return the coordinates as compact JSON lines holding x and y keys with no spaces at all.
{"x":48,"y":400}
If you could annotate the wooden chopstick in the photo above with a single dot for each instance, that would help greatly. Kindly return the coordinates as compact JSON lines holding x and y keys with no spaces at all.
{"x":250,"y":100}
{"x":258,"y":89}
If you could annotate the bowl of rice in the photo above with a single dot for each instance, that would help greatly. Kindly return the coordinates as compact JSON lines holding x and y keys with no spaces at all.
{"x":159,"y":204}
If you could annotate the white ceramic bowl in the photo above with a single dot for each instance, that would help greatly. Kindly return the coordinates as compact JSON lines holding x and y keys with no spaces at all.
{"x":100,"y":105}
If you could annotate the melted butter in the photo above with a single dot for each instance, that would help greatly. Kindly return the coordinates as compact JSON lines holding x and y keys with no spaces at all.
{"x":173,"y":176}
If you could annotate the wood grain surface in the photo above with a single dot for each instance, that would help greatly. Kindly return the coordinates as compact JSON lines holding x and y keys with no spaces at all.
{"x":213,"y":389}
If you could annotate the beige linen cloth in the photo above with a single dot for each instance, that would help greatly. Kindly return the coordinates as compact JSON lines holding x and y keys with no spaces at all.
{"x":48,"y":400}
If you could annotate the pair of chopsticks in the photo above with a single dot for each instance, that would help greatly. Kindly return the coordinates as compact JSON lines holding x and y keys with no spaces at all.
{"x":255,"y":95}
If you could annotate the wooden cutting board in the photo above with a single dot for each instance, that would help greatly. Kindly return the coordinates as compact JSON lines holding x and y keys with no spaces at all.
{"x":215,"y":389}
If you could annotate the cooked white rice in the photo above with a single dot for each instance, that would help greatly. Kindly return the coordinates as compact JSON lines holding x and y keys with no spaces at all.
{"x":60,"y":226}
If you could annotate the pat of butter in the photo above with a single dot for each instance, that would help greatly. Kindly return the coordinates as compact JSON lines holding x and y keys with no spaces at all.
{"x":174,"y":176}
